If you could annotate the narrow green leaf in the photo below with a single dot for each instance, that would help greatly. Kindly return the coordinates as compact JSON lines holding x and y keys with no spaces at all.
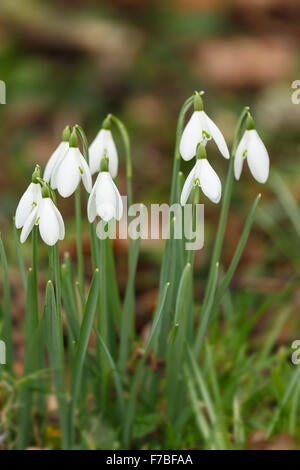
{"x":81,"y":348}
{"x":56,"y":358}
{"x":19,"y":255}
{"x":127,"y":429}
{"x":7,"y":320}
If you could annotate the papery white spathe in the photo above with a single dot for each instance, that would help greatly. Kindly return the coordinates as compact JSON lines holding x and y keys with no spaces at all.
{"x":103,"y":145}
{"x":28,"y":202}
{"x":203,"y":175}
{"x":50,"y":222}
{"x":252,"y":148}
{"x":200,"y":128}
{"x":54,"y":160}
{"x":105,"y":199}
{"x":68,"y":172}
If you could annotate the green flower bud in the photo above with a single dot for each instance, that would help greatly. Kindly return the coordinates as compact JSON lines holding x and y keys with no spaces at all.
{"x":36,"y":174}
{"x":104,"y":164}
{"x":66,"y":134}
{"x":73,"y":141}
{"x":201,"y":152}
{"x":198,"y":102}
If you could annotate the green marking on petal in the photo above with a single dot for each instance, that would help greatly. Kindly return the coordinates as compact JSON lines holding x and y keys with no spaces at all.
{"x":37,"y":220}
{"x":197,"y":182}
{"x":244,"y":153}
{"x":34,"y":203}
{"x":81,"y":170}
{"x":206,"y":134}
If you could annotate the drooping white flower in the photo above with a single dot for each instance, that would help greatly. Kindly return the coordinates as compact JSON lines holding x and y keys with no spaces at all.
{"x":49,"y":220}
{"x":30,"y":199}
{"x":203,"y":175}
{"x":70,"y":170}
{"x":252,"y":148}
{"x":105,"y":199}
{"x":200,"y":128}
{"x":103,"y":145}
{"x":57,"y":155}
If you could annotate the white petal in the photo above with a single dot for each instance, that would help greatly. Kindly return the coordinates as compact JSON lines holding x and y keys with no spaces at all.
{"x":28,"y":201}
{"x":119,"y":211}
{"x":60,"y":223}
{"x":49,"y":225}
{"x":209,"y":181}
{"x":91,"y":207}
{"x":28,"y":225}
{"x":217,"y":135}
{"x":103,"y":141}
{"x":54,"y":159}
{"x":191,"y":136}
{"x":68,"y":174}
{"x":85,"y":175}
{"x":257,"y":157}
{"x":240,"y":156}
{"x":188,"y":186}
{"x":106,"y":197}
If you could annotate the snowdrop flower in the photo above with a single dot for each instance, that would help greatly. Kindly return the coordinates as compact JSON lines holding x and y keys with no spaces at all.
{"x":30,"y":199}
{"x":57,"y":155}
{"x":200,"y":128}
{"x":47,"y":217}
{"x":70,"y":169}
{"x":204,"y":176}
{"x":103,"y":145}
{"x":105,"y":199}
{"x":252,"y":148}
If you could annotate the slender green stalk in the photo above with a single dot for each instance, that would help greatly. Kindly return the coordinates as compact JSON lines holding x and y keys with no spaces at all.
{"x":103,"y":323}
{"x":225,"y":206}
{"x":176,"y":162}
{"x":130,"y":409}
{"x":176,"y":347}
{"x":81,"y":349}
{"x":210,"y":311}
{"x":79,"y":238}
{"x":19,"y":255}
{"x":56,"y":358}
{"x":117,"y":377}
{"x":127,"y":321}
{"x":126,"y":142}
{"x":7,"y":320}
{"x":205,"y":313}
{"x":30,"y":359}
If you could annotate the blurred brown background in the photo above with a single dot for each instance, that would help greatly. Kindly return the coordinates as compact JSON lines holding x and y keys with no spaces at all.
{"x":73,"y":61}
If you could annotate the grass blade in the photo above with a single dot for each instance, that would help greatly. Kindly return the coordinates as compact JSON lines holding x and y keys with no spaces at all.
{"x":7,"y":320}
{"x":81,"y":348}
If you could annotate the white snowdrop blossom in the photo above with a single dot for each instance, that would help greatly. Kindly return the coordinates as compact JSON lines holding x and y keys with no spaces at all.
{"x":57,"y":156}
{"x":252,"y":148}
{"x":49,"y":220}
{"x":200,"y":128}
{"x":105,"y":199}
{"x":203,"y":175}
{"x":70,"y":170}
{"x":103,"y":145}
{"x":28,"y":202}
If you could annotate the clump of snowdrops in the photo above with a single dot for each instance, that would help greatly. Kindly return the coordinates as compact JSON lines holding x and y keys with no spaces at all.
{"x":97,"y":382}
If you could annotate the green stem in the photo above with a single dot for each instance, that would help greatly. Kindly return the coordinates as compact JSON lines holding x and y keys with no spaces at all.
{"x":7,"y":326}
{"x":126,"y":142}
{"x":60,"y":344}
{"x":176,"y":165}
{"x":79,"y":239}
{"x":85,"y":148}
{"x":225,"y":206}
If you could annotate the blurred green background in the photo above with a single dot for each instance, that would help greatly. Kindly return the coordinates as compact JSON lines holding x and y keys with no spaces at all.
{"x":73,"y":61}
